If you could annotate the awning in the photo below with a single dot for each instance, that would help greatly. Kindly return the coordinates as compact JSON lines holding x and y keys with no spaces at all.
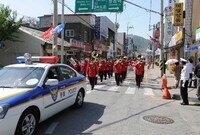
{"x":192,"y":48}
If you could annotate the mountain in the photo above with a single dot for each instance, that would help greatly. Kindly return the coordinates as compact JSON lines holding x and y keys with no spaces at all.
{"x":141,"y":43}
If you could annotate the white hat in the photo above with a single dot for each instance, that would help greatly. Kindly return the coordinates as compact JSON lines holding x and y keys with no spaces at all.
{"x":183,"y":60}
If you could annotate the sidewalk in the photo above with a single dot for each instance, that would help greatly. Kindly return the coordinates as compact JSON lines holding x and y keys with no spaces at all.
{"x":175,"y":92}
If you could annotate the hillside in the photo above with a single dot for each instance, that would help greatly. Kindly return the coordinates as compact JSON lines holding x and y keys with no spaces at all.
{"x":141,"y":43}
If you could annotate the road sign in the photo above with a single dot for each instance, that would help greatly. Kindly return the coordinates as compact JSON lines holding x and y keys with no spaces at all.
{"x":82,"y":6}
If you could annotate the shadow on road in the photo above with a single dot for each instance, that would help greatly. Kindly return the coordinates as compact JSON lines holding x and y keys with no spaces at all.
{"x":74,"y":121}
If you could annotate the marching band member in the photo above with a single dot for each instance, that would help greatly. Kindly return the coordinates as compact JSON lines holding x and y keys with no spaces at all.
{"x":106,"y":69}
{"x":138,"y":72}
{"x":110,"y":67}
{"x":101,"y":69}
{"x":125,"y":67}
{"x":92,"y":72}
{"x":117,"y":71}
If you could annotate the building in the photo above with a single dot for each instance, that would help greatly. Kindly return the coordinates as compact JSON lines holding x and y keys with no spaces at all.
{"x":30,"y":41}
{"x":121,"y":38}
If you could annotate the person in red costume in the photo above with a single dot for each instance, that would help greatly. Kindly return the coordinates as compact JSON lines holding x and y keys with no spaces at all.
{"x":92,"y":72}
{"x":118,"y":71}
{"x":124,"y":67}
{"x":138,"y":72}
{"x":101,"y":69}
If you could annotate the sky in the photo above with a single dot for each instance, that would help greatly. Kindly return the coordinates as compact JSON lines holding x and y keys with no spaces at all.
{"x":132,"y":16}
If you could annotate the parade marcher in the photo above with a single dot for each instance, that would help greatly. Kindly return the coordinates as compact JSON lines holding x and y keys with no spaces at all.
{"x":92,"y":72}
{"x":117,"y":71}
{"x":184,"y":82}
{"x":177,"y":74}
{"x":143,"y":68}
{"x":106,"y":69}
{"x":101,"y":69}
{"x":110,"y":68}
{"x":138,"y":72}
{"x":190,"y":67}
{"x":197,"y":74}
{"x":124,"y":67}
{"x":82,"y":64}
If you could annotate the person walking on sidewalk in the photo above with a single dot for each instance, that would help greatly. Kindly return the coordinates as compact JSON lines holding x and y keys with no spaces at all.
{"x":197,"y":74}
{"x":177,"y":74}
{"x":191,"y":70}
{"x":184,"y":82}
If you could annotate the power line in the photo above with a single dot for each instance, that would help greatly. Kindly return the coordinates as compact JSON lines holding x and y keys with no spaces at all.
{"x":76,"y":14}
{"x":148,"y":10}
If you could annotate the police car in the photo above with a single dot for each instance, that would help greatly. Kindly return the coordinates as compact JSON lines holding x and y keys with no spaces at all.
{"x":32,"y":92}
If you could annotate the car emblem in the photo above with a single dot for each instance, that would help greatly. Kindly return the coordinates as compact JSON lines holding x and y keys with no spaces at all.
{"x":54,"y":94}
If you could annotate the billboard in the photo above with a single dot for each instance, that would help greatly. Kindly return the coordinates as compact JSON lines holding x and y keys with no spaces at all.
{"x":178,"y":14}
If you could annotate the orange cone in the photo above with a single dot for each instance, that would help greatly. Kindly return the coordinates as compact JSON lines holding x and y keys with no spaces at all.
{"x":166,"y":94}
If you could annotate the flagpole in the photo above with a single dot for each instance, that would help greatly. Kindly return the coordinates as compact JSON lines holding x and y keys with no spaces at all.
{"x":62,"y":32}
{"x":55,"y":22}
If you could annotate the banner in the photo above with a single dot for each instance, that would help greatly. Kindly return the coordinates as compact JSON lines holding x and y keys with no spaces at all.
{"x":178,"y":14}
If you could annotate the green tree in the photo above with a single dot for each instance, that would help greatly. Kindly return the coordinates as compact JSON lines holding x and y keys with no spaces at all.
{"x":9,"y":24}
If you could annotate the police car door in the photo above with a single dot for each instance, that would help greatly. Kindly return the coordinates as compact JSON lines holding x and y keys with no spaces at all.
{"x":52,"y":100}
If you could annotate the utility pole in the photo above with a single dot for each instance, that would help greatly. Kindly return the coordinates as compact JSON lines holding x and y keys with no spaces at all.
{"x":55,"y":22}
{"x":62,"y":33}
{"x":129,"y":27}
{"x":161,"y":35}
{"x":115,"y":43}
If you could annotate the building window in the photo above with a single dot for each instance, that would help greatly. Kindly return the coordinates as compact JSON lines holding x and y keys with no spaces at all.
{"x":69,"y":33}
{"x":85,"y":36}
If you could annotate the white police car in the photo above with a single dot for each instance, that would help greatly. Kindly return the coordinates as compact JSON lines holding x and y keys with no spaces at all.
{"x":32,"y":92}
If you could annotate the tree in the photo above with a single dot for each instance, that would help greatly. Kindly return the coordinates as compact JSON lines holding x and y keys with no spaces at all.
{"x":9,"y":24}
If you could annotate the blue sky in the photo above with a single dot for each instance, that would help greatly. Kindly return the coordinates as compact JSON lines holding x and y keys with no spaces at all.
{"x":131,"y":16}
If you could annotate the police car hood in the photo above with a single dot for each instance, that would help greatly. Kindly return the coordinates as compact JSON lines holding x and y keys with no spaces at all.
{"x":8,"y":92}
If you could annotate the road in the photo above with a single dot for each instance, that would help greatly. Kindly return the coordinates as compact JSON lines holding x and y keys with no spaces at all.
{"x":125,"y":110}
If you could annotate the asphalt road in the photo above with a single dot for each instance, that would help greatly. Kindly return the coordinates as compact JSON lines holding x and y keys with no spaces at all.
{"x":125,"y":110}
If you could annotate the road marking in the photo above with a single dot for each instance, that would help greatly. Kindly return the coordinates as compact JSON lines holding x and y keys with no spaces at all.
{"x":113,"y":88}
{"x":99,"y":86}
{"x":51,"y":128}
{"x":148,"y":92}
{"x":130,"y":90}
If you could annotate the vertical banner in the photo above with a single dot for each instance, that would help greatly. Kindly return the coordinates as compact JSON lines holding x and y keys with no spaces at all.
{"x":178,"y":14}
{"x":97,"y":28}
{"x":171,"y":6}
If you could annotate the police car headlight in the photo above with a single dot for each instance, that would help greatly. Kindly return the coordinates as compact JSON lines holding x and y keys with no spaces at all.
{"x":3,"y":110}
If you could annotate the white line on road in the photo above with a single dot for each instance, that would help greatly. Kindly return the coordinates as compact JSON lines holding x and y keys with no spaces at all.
{"x":148,"y":92}
{"x":130,"y":90}
{"x":51,"y":128}
{"x":113,"y":88}
{"x":99,"y":86}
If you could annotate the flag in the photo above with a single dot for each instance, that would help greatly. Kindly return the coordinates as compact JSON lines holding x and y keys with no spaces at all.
{"x":48,"y":33}
{"x":58,"y":28}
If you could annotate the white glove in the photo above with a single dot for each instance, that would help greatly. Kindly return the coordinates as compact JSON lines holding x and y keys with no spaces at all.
{"x":183,"y":84}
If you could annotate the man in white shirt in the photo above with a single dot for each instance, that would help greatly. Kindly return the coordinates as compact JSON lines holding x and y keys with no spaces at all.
{"x":184,"y":82}
{"x":190,"y":67}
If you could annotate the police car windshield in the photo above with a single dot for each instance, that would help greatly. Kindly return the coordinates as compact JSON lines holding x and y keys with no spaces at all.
{"x":20,"y":77}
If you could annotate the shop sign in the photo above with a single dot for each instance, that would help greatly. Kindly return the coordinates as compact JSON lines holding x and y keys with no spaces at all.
{"x":179,"y":36}
{"x":198,"y":34}
{"x":178,"y":14}
{"x":172,"y":41}
{"x":87,"y":48}
{"x":76,"y":43}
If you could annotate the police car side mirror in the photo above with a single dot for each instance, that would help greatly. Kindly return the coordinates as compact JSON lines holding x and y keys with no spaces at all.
{"x":51,"y":82}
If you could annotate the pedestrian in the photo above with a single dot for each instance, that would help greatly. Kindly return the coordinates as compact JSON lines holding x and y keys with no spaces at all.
{"x":177,"y":74}
{"x":197,"y":74}
{"x":184,"y":82}
{"x":191,"y":70}
{"x":125,"y":67}
{"x":117,"y":71}
{"x":92,"y":72}
{"x":138,"y":71}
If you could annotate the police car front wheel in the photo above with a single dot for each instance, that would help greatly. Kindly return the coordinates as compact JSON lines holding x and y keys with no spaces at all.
{"x":27,"y":123}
